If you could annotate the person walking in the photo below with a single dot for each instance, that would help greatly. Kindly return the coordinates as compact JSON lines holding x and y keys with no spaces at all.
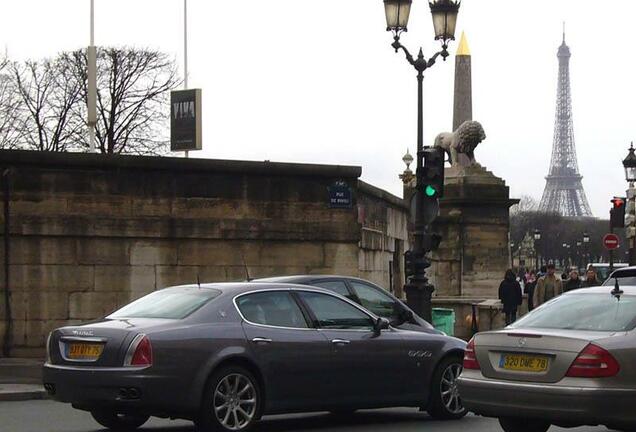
{"x":548,"y":287}
{"x":574,"y":282}
{"x":590,"y":279}
{"x":510,"y":296}
{"x":529,"y":287}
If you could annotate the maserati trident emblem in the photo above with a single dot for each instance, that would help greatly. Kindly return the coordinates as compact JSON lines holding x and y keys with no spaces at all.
{"x":522,"y":342}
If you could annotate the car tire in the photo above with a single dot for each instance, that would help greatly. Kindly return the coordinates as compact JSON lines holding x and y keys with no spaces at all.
{"x":119,"y":421}
{"x":518,"y":424}
{"x":445,"y":402}
{"x":233,"y":401}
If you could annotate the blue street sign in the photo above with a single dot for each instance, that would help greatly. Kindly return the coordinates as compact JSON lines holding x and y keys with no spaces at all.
{"x":340,"y":196}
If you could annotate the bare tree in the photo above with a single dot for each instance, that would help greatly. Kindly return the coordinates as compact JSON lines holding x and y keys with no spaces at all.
{"x":9,"y":108}
{"x":527,"y":203}
{"x":47,"y":93}
{"x":133,"y":88}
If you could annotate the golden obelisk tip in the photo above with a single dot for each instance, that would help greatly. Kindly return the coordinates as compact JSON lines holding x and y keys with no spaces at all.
{"x":463,"y":49}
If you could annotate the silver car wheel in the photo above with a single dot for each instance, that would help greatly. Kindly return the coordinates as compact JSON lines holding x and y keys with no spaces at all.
{"x":234,"y":402}
{"x":449,"y":390}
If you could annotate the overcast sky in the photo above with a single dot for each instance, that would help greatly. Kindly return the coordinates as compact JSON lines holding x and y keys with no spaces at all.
{"x":317,"y":81}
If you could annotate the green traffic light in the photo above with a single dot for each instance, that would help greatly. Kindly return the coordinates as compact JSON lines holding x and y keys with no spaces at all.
{"x":430,"y":191}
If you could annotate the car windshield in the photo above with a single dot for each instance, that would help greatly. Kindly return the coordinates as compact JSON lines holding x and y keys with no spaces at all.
{"x":167,"y":304}
{"x":591,"y":312}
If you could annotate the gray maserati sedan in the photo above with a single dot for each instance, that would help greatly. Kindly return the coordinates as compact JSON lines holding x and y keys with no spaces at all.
{"x":223,"y":355}
{"x":568,"y":363}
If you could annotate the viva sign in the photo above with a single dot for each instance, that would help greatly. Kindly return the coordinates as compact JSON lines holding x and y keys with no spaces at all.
{"x":185,"y":120}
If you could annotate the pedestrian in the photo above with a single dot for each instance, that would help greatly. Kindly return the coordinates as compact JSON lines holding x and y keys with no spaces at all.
{"x":510,"y":296}
{"x":574,"y":282}
{"x":529,"y":287}
{"x":590,"y":279}
{"x":548,"y":287}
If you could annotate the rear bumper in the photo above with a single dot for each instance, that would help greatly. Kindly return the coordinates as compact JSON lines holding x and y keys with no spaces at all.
{"x":553,"y":402}
{"x":126,"y":389}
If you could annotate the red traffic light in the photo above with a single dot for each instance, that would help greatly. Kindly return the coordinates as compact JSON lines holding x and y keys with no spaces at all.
{"x":618,"y":202}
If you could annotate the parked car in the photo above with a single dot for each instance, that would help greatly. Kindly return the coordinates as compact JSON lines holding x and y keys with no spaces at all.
{"x":365,"y":293}
{"x":603,"y":269}
{"x":223,"y":355}
{"x":568,"y":363}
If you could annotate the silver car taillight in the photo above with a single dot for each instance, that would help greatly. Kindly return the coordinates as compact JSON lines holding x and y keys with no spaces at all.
{"x":139,"y":352}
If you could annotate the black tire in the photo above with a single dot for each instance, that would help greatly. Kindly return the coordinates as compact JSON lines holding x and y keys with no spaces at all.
{"x":442,"y":404}
{"x":230,"y":402}
{"x":519,"y":424}
{"x":117,"y":421}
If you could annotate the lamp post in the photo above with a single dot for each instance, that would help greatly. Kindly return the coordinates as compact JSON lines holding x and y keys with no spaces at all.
{"x":537,"y":239}
{"x":586,"y":242}
{"x":444,"y":13}
{"x":579,"y":254}
{"x":512,"y":255}
{"x":630,"y":175}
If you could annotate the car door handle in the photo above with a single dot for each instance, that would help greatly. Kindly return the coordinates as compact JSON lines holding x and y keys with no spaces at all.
{"x":340,"y":342}
{"x":261,"y":341}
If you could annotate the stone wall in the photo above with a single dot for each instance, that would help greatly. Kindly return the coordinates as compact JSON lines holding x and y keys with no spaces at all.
{"x":89,"y":233}
{"x":384,"y":238}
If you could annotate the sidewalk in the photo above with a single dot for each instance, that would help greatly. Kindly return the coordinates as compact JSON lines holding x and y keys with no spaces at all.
{"x":21,"y":379}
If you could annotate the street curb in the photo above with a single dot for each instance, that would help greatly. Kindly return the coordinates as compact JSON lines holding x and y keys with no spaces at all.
{"x":23,"y":396}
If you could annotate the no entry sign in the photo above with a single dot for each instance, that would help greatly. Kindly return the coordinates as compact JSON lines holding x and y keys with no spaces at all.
{"x":611,"y":241}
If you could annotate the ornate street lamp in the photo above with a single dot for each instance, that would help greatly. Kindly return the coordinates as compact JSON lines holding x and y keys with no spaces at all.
{"x":630,"y":165}
{"x":630,"y":175}
{"x":444,"y":14}
{"x":445,"y":19}
{"x":397,"y":15}
{"x":586,"y":241}
{"x":537,"y":239}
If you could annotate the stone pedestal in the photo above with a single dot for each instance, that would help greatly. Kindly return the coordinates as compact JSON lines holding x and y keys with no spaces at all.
{"x":474,"y":225}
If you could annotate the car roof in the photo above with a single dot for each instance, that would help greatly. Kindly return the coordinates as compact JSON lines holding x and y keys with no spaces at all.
{"x":235,"y":288}
{"x":306,"y":278}
{"x":604,"y":289}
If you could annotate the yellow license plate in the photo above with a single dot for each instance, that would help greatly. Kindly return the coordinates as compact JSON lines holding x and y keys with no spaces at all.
{"x":83,"y":351}
{"x":523,"y":363}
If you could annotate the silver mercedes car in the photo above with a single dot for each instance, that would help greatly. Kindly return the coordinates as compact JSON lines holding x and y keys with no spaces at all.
{"x":568,"y":363}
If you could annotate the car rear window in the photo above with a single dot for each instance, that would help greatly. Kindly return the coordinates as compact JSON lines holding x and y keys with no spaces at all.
{"x":168,"y":304}
{"x":590,"y":312}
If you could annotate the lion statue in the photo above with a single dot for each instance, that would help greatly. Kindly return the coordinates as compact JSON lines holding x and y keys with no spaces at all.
{"x":463,"y":141}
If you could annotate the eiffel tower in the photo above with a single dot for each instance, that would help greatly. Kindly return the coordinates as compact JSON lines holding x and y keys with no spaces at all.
{"x":564,"y":192}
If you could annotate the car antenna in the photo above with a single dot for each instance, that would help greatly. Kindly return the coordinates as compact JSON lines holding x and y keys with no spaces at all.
{"x":247,"y":271}
{"x":198,"y":281}
{"x":617,"y":291}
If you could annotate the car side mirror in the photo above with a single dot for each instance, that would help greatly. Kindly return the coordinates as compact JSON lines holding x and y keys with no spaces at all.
{"x":407,"y":315}
{"x":381,"y":324}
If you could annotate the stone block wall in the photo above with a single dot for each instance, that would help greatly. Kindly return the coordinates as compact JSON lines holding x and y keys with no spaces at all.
{"x":384,"y":238}
{"x":89,"y":233}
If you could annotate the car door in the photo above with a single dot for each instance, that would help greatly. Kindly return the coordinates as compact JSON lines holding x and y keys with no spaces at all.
{"x":291,"y":354}
{"x":367,"y":368}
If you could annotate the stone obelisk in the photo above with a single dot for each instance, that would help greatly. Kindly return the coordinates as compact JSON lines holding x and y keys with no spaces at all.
{"x":463,"y":107}
{"x":474,"y":225}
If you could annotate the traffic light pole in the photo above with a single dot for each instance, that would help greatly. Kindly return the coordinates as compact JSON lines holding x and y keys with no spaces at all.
{"x":418,"y":290}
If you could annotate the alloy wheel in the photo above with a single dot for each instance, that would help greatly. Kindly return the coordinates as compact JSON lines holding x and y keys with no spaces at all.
{"x":449,"y":390}
{"x":234,"y":402}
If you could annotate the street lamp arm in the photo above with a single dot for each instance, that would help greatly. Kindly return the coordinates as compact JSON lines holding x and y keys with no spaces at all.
{"x":397,"y":45}
{"x":420,"y":64}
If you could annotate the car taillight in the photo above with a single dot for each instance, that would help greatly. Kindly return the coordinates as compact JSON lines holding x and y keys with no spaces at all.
{"x":593,"y":362}
{"x":140,"y":352}
{"x":470,"y":358}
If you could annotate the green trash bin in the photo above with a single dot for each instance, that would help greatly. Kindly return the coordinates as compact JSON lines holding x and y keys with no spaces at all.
{"x":444,"y":320}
